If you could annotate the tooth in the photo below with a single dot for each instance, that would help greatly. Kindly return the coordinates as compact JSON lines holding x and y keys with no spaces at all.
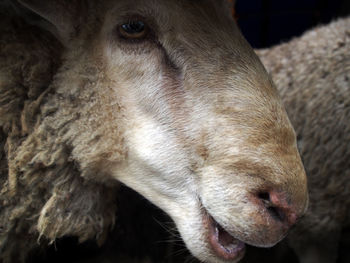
{"x":216,"y":231}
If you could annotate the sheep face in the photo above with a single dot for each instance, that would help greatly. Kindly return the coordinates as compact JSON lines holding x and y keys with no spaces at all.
{"x":174,"y":103}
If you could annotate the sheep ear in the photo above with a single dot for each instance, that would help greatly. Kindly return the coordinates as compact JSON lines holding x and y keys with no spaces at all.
{"x":62,"y":15}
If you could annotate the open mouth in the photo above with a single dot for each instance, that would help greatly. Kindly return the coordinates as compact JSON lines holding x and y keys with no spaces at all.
{"x":222,"y":243}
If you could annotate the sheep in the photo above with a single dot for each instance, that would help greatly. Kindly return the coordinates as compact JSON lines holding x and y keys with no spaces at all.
{"x":323,"y":51}
{"x":312,"y":74}
{"x":180,"y":110}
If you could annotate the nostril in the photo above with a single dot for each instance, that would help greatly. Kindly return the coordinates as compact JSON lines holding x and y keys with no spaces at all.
{"x":264,"y":196}
{"x":271,"y":208}
{"x":277,"y":207}
{"x":276,"y":213}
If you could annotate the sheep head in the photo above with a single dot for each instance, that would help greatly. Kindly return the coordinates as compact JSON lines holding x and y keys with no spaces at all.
{"x":167,"y":97}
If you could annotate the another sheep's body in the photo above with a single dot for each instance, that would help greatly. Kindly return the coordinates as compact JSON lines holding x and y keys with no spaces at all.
{"x":312,"y":74}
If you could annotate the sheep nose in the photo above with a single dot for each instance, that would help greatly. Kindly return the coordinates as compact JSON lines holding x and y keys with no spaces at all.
{"x":278,"y":207}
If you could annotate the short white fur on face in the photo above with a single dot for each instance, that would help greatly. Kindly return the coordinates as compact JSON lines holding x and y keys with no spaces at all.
{"x":171,"y":112}
{"x":159,"y":169}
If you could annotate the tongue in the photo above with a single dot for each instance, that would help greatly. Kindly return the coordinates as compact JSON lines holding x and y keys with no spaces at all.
{"x":226,"y":240}
{"x":223,"y":244}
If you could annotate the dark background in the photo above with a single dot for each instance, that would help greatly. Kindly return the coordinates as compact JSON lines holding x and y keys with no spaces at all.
{"x":268,"y":22}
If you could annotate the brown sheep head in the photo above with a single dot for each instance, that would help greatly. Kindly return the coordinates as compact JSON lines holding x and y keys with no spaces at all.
{"x":167,"y":97}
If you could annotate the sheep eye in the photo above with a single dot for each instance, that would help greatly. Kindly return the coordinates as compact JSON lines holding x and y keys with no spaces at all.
{"x":133,"y":30}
